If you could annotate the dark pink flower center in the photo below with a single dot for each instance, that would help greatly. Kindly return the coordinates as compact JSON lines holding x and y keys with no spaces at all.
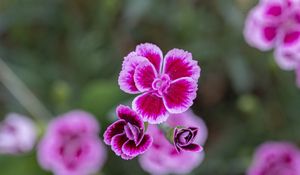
{"x":270,"y":32}
{"x":133,"y":133}
{"x":71,"y":150}
{"x":275,"y":10}
{"x":161,"y":84}
{"x":282,"y":165}
{"x":185,"y":137}
{"x":291,"y":37}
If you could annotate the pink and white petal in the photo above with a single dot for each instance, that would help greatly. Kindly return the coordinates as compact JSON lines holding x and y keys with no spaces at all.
{"x":129,"y":115}
{"x":117,"y":142}
{"x":131,"y":149}
{"x":272,"y":11}
{"x":126,"y":80}
{"x":180,"y":95}
{"x":152,"y":53}
{"x":259,"y":34}
{"x":144,"y":76}
{"x":114,"y":129}
{"x":287,"y":54}
{"x":179,"y":63}
{"x":150,"y":107}
{"x":126,"y":157}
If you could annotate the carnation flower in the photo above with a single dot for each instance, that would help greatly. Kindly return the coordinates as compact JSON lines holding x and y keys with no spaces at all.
{"x":163,"y":158}
{"x":276,"y":158}
{"x":71,"y":145}
{"x":276,"y":24}
{"x":17,"y":134}
{"x":126,"y":135}
{"x":184,"y":139}
{"x":167,"y":85}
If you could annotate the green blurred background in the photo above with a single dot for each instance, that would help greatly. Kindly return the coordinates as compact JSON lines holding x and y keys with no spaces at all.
{"x":69,"y":53}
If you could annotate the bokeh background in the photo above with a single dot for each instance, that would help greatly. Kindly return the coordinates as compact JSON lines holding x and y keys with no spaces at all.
{"x":69,"y":54}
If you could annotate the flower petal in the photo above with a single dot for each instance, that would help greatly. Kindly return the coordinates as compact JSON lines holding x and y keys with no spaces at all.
{"x":258,"y":33}
{"x":126,"y":157}
{"x":150,"y":107}
{"x":129,"y":115}
{"x":114,"y":129}
{"x":178,"y":63}
{"x":144,"y":76}
{"x":287,"y":53}
{"x":180,"y":95}
{"x":131,"y":149}
{"x":117,"y":142}
{"x":152,"y":53}
{"x":192,"y":147}
{"x":126,"y":81}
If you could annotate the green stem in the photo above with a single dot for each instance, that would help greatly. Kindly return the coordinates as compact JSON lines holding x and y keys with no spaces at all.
{"x":23,"y":94}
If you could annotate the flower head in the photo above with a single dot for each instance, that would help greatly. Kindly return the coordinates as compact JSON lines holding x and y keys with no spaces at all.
{"x":184,"y":139}
{"x":276,"y":24}
{"x":167,"y":85}
{"x":71,"y":145}
{"x":163,"y":158}
{"x":126,"y":135}
{"x":276,"y":158}
{"x":17,"y":134}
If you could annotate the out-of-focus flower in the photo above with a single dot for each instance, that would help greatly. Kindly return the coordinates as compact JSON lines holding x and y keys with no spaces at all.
{"x":184,"y":139}
{"x":126,"y":135}
{"x":163,"y":158}
{"x":168,"y":85}
{"x":17,"y":134}
{"x":71,"y":145}
{"x":276,"y":24}
{"x":276,"y":158}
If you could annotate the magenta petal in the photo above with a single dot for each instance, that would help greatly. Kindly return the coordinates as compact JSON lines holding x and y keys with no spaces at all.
{"x":192,"y":147}
{"x":127,"y":114}
{"x":150,"y":107}
{"x":180,"y":95}
{"x":114,"y":129}
{"x":126,"y":81}
{"x":144,"y":76}
{"x":178,"y":63}
{"x":117,"y":142}
{"x":152,"y":53}
{"x":131,"y":149}
{"x":126,"y":157}
{"x":259,"y":33}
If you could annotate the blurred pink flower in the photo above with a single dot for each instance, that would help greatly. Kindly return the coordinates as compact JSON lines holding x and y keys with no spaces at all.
{"x":17,"y":134}
{"x":276,"y":24}
{"x":168,"y":85}
{"x":162,"y":157}
{"x":71,"y":145}
{"x":126,"y":135}
{"x":276,"y":158}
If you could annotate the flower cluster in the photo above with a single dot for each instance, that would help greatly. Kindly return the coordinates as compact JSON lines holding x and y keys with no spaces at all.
{"x":167,"y":85}
{"x":169,"y":160}
{"x":276,"y":158}
{"x":276,"y":24}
